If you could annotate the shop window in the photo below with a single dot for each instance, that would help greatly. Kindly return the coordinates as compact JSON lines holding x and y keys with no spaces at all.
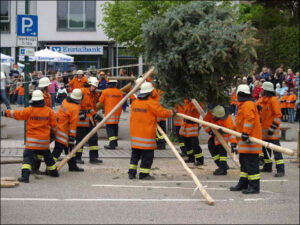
{"x":5,"y":16}
{"x":76,"y":15}
{"x":5,"y":51}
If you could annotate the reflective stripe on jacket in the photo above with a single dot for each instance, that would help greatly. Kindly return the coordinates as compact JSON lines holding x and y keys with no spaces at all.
{"x":177,"y":119}
{"x":247,"y":121}
{"x":110,"y":97}
{"x":143,"y":122}
{"x":39,"y":122}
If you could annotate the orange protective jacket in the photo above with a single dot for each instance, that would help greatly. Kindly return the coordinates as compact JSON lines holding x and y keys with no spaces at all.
{"x":270,"y":113}
{"x":39,"y":122}
{"x":143,"y":121}
{"x":76,"y":83}
{"x":284,"y":101}
{"x":233,"y":98}
{"x":67,"y":118}
{"x":156,"y":96}
{"x":177,"y":119}
{"x":110,"y":97}
{"x":247,"y":121}
{"x":20,"y":90}
{"x":227,"y":123}
{"x":48,"y":101}
{"x":189,"y":128}
{"x":291,"y":101}
{"x":88,"y":105}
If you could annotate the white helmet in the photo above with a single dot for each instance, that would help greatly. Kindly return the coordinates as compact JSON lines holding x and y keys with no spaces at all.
{"x":146,"y":88}
{"x":268,"y":86}
{"x":218,"y":111}
{"x":93,"y":81}
{"x":112,"y":81}
{"x":76,"y":94}
{"x":44,"y":82}
{"x":137,"y":81}
{"x":79,"y":72}
{"x":37,"y":95}
{"x":243,"y":88}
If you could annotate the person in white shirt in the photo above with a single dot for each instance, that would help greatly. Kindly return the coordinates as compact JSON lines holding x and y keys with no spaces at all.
{"x":3,"y":91}
{"x":61,"y":93}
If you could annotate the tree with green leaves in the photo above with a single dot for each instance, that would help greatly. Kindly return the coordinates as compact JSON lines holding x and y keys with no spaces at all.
{"x":197,"y":49}
{"x":122,"y":20}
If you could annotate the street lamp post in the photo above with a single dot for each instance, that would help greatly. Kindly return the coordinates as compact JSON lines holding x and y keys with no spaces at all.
{"x":26,"y":74}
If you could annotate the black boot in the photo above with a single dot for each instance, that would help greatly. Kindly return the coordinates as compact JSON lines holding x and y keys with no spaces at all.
{"x":95,"y":161}
{"x":79,"y":161}
{"x":76,"y":169}
{"x":191,"y":159}
{"x":250,"y":190}
{"x":243,"y":184}
{"x":23,"y":179}
{"x":199,"y":161}
{"x":220,"y":171}
{"x":143,"y":176}
{"x":266,"y":169}
{"x":279,"y":174}
{"x":109,"y":147}
{"x":131,"y":176}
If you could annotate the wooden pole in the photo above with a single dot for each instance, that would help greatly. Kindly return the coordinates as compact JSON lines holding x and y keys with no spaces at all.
{"x":217,"y":133}
{"x":99,"y":125}
{"x":120,"y":78}
{"x":189,"y":171}
{"x":235,"y":133}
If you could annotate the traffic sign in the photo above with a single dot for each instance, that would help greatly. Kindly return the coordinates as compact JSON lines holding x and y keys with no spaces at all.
{"x":27,"y":25}
{"x":26,"y":41}
{"x":27,"y":51}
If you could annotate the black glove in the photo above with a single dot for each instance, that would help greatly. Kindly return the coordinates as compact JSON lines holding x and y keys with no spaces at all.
{"x":221,"y":131}
{"x":272,"y":129}
{"x":3,"y":113}
{"x":71,"y":142}
{"x":98,"y":117}
{"x":258,"y":108}
{"x":82,"y":115}
{"x":245,"y":137}
{"x":211,"y":133}
{"x":233,"y":148}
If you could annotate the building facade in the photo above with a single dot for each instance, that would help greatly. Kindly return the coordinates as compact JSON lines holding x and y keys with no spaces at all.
{"x":68,"y":26}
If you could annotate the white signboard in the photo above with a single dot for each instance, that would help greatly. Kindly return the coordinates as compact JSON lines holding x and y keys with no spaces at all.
{"x":27,"y":51}
{"x":78,"y":49}
{"x":26,"y":41}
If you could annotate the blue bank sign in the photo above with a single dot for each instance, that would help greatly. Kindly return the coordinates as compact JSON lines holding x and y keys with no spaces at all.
{"x":78,"y":49}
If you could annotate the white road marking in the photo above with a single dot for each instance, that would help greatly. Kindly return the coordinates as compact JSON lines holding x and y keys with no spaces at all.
{"x":153,"y":187}
{"x":110,"y":200}
{"x":206,"y":181}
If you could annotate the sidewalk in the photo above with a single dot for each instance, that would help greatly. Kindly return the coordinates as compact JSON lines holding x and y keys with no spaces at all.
{"x":14,"y":148}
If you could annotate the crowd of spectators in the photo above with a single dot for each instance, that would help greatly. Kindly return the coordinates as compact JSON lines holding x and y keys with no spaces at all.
{"x":286,"y":85}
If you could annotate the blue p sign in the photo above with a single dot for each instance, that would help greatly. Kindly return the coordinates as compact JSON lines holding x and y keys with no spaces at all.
{"x":27,"y":25}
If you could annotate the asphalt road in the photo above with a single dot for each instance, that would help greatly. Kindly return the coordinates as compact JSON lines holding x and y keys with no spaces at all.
{"x":103,"y":194}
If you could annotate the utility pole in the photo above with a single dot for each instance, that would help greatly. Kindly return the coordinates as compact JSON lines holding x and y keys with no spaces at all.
{"x":26,"y":74}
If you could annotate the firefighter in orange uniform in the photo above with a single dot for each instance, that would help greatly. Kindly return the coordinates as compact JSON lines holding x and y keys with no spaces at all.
{"x":247,"y":123}
{"x":219,"y":117}
{"x":79,"y":81}
{"x":87,"y":121}
{"x":270,"y":114}
{"x":190,"y":131}
{"x":43,"y":85}
{"x":143,"y":121}
{"x":177,"y":123}
{"x":40,"y":120}
{"x":67,"y":119}
{"x":110,"y":97}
